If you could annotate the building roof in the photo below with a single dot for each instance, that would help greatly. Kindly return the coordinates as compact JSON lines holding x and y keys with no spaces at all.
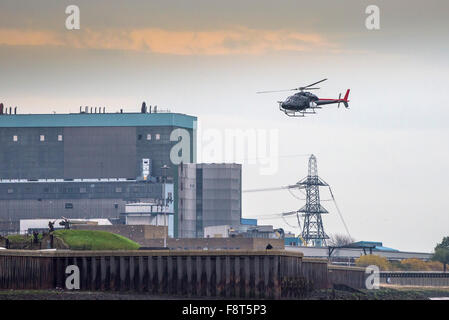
{"x":371,"y":244}
{"x":248,"y":221}
{"x":97,"y":120}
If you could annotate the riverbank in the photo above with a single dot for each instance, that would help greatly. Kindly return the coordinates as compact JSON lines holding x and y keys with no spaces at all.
{"x":384,"y":293}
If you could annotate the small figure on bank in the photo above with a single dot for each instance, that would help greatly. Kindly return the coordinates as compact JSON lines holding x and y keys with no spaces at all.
{"x":35,"y":237}
{"x":51,"y":226}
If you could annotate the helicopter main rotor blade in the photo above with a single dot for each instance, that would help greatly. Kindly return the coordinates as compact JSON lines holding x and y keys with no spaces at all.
{"x":305,"y":87}
{"x":309,"y":87}
{"x":277,"y":90}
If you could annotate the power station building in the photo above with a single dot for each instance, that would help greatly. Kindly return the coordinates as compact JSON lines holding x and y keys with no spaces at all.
{"x":208,"y":195}
{"x":89,"y":165}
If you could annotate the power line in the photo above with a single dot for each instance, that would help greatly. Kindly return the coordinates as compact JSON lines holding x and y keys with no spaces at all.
{"x":339,"y":212}
{"x":268,"y":157}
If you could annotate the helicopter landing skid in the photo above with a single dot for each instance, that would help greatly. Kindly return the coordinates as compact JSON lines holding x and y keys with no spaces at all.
{"x":292,"y":113}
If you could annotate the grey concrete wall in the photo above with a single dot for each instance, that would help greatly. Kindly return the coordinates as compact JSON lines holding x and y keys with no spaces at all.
{"x":216,"y":243}
{"x":351,"y":254}
{"x":412,"y":278}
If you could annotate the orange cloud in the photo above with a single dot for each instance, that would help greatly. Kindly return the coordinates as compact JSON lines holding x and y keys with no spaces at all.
{"x":16,"y":37}
{"x":221,"y":42}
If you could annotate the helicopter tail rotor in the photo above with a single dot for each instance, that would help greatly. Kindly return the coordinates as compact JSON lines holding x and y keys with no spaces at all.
{"x":345,"y":99}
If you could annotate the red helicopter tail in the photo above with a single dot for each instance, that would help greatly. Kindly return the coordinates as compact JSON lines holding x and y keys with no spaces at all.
{"x":345,"y":99}
{"x":347,"y":95}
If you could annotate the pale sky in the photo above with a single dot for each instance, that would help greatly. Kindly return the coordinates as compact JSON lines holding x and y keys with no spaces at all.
{"x":385,"y":158}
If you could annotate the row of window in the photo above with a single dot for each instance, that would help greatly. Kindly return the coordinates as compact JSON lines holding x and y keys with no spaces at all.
{"x":41,"y":138}
{"x":69,"y":205}
{"x":157,"y":136}
{"x":80,"y":190}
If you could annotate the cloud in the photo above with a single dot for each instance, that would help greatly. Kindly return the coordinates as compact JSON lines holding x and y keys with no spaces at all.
{"x":240,"y":40}
{"x":17,"y":37}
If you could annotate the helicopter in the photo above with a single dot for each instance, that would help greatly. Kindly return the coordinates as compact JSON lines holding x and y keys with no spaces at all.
{"x":303,"y":102}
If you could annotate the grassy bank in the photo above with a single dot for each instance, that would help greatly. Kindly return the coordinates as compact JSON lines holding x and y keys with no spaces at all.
{"x":95,"y":240}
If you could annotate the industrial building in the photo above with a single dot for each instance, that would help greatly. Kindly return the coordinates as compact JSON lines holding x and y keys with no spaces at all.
{"x":149,"y":214}
{"x":208,"y":195}
{"x":116,"y":166}
{"x":248,"y":228}
{"x":87,"y":165}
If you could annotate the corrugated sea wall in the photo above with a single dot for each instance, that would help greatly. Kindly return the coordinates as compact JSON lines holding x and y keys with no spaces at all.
{"x":353,"y":277}
{"x":232,"y":273}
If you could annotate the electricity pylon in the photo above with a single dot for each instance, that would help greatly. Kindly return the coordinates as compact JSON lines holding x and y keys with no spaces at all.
{"x":313,"y":230}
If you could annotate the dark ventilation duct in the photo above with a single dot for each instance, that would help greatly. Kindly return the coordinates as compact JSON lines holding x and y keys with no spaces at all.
{"x":81,"y":110}
{"x":95,"y":109}
{"x":10,"y":110}
{"x":121,"y":110}
{"x":104,"y":109}
{"x":15,"y":110}
{"x":1,"y":108}
{"x":150,"y":109}
{"x":155,"y":109}
{"x":144,"y":108}
{"x":91,"y":109}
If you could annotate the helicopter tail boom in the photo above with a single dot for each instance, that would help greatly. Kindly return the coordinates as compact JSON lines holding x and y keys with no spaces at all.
{"x":339,"y":100}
